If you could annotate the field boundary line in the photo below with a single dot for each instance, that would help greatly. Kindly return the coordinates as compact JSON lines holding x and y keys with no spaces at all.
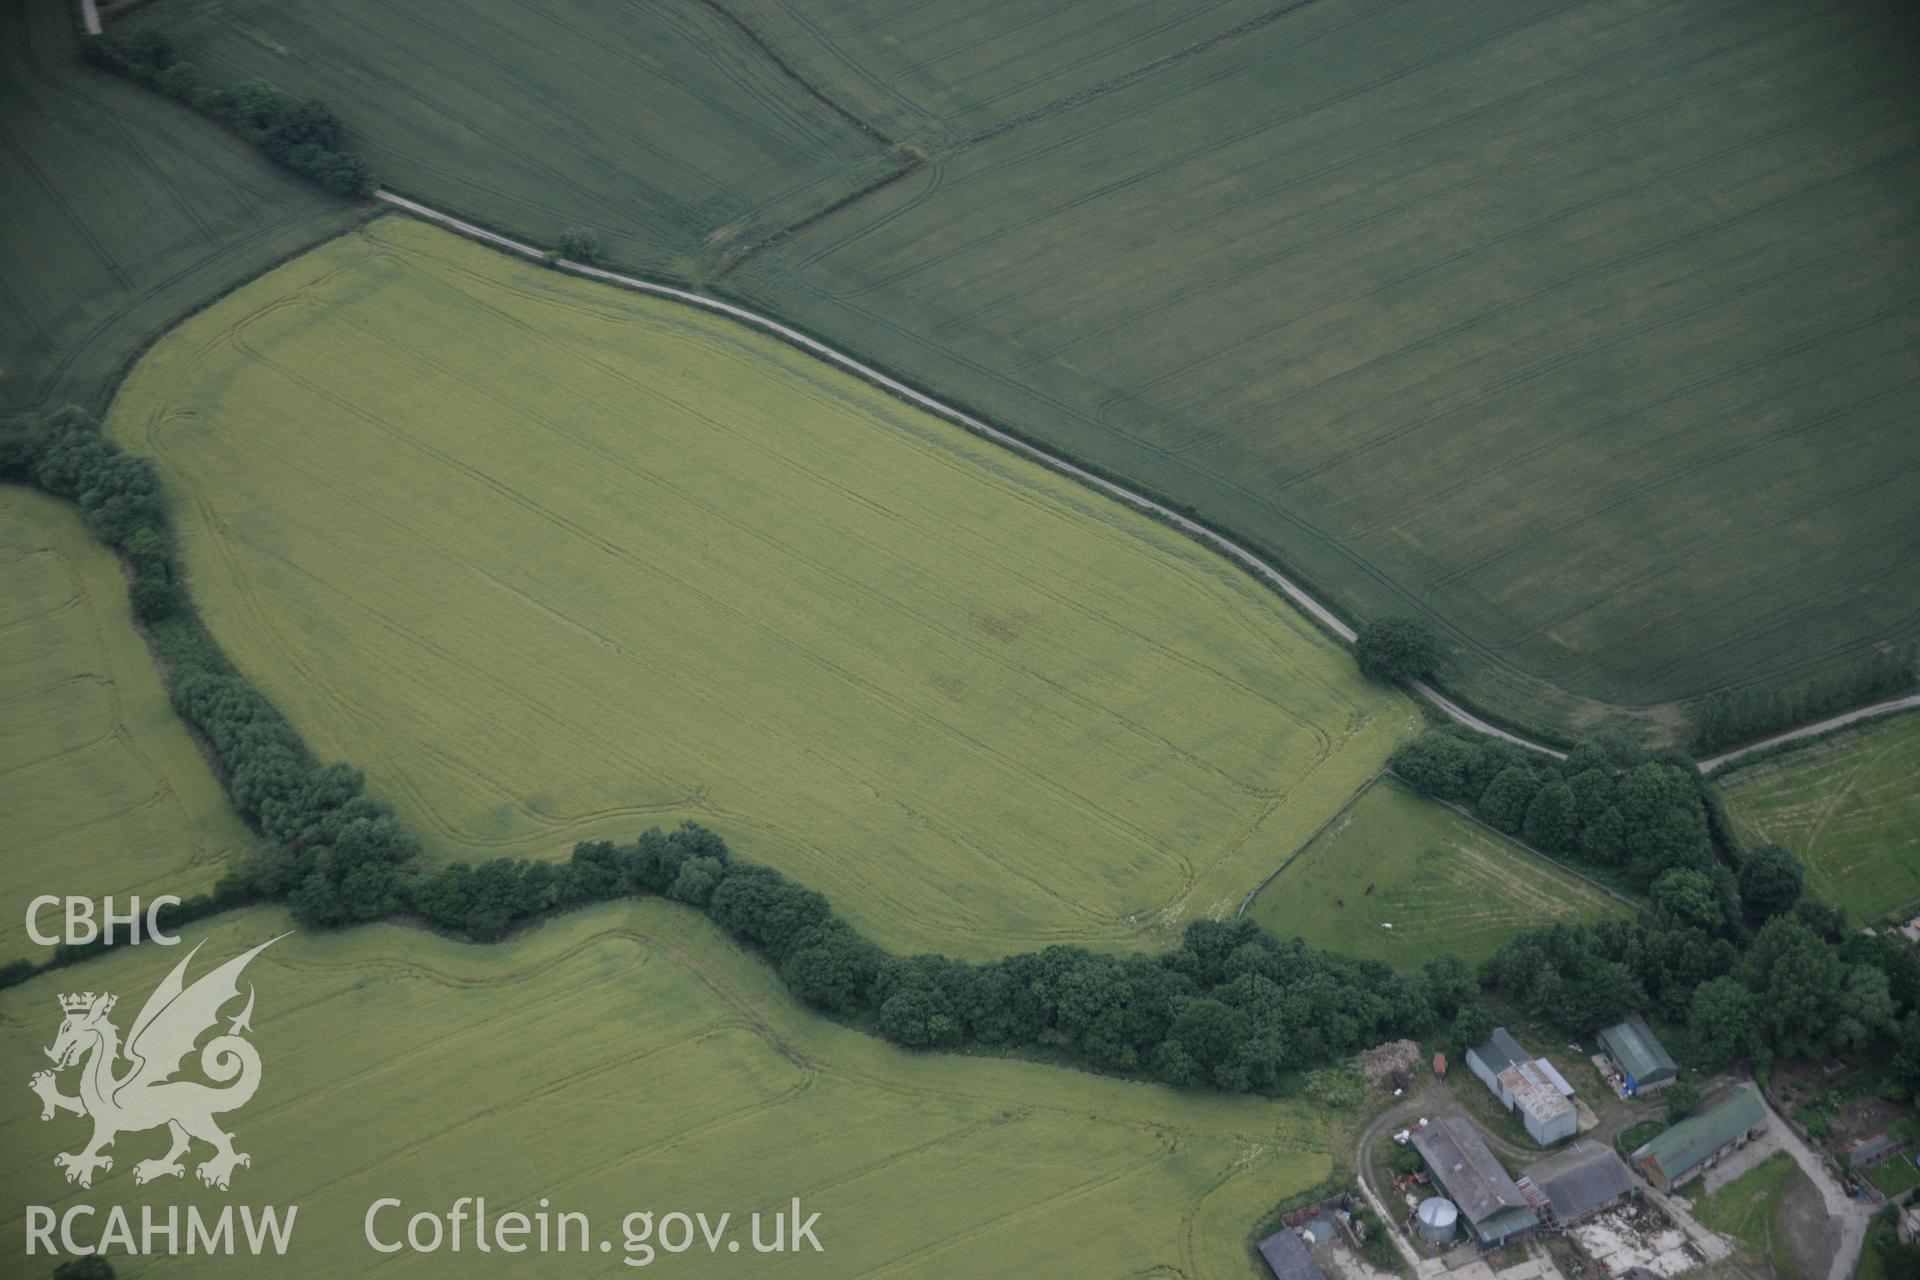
{"x":1314,"y":835}
{"x":1219,"y":541}
{"x":1166,"y":62}
{"x":1320,"y":613}
{"x":1261,"y":568}
{"x":767,"y":51}
{"x":1518,"y":843}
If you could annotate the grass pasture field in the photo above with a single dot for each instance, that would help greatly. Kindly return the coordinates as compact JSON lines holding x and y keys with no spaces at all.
{"x":1586,"y":331}
{"x":1443,"y":881}
{"x":1846,"y":807}
{"x":120,"y":212}
{"x":104,"y":791}
{"x":1776,"y":1212}
{"x":555,"y":562}
{"x":629,"y":1057}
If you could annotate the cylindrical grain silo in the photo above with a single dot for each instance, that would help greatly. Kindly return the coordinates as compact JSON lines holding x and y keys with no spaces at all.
{"x":1438,"y":1220}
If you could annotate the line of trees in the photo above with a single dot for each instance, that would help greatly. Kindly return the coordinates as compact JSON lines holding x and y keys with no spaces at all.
{"x":1733,"y":716}
{"x":332,"y":851}
{"x":1609,"y":804}
{"x":1738,"y":952}
{"x":304,"y":135}
{"x":1795,"y":987}
{"x":1733,"y":948}
{"x":1230,"y":1007}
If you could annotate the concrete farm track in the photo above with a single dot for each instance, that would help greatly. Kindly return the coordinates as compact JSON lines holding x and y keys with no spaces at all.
{"x":1293,"y":591}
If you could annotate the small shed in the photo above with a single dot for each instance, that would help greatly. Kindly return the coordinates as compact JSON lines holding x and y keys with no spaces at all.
{"x":1287,"y":1257}
{"x":1575,"y":1181}
{"x":1488,"y":1060}
{"x":1466,"y":1171}
{"x":1698,"y":1141}
{"x":1637,"y":1054}
{"x":1531,"y":1094}
{"x":1870,"y":1151}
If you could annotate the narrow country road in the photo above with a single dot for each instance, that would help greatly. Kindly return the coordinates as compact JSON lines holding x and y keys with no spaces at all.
{"x":1852,"y":1216}
{"x":1808,"y":731}
{"x":1293,"y":591}
{"x":1220,"y":542}
{"x":1399,"y":1114}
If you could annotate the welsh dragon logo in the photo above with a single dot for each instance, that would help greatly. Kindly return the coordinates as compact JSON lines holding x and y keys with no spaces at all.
{"x":145,"y":1095}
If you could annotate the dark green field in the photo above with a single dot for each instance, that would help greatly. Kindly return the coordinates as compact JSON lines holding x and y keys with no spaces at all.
{"x":658,"y":125}
{"x":119,"y":212}
{"x":1590,"y":332}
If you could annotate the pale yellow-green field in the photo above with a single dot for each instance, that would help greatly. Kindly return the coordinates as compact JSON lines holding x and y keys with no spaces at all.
{"x":103,"y":790}
{"x":554,"y":561}
{"x":629,"y":1057}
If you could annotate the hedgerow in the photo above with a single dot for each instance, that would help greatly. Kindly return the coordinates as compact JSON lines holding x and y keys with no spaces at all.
{"x":1733,"y":716}
{"x":304,"y":135}
{"x":1609,"y":805}
{"x":1231,"y":1007}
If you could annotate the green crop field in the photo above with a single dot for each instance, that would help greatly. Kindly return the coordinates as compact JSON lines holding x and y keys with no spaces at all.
{"x":1846,"y":808}
{"x":103,"y":790}
{"x":555,"y":562}
{"x":121,"y":211}
{"x":630,"y":1058}
{"x":1587,"y":331}
{"x":1444,"y":882}
{"x":934,"y":79}
{"x":658,"y":125}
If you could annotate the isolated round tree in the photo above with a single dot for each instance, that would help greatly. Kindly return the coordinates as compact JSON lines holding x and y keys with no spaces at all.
{"x":1395,"y":649}
{"x":582,"y":244}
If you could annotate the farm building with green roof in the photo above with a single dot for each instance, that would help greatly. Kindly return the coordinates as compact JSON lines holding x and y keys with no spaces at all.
{"x":1637,"y":1054}
{"x":1698,"y":1141}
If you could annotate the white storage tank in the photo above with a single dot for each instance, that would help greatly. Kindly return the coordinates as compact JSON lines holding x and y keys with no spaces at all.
{"x":1439,"y":1220}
